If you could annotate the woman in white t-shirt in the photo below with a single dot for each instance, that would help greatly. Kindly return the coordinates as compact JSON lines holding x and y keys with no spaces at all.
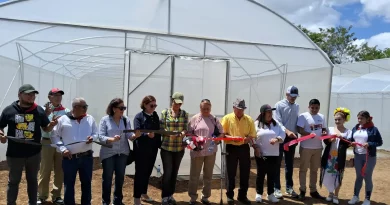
{"x":269,"y":135}
{"x":335,"y":154}
{"x":365,"y":139}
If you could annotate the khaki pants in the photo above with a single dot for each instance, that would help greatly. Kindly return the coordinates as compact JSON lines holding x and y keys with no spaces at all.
{"x":51,"y":160}
{"x":196,"y":166}
{"x":309,"y":158}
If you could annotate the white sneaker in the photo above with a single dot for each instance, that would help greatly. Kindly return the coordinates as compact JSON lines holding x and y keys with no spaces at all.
{"x":258,"y":198}
{"x":354,"y":200}
{"x":335,"y":200}
{"x":278,"y":194}
{"x":272,"y":198}
{"x":366,"y":202}
{"x":330,"y":197}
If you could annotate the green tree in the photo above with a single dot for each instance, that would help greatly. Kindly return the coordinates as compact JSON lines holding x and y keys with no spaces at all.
{"x":336,"y":42}
{"x":371,"y":53}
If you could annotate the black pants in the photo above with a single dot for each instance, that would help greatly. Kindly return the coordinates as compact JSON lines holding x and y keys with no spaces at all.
{"x":267,"y":165}
{"x":144,"y":163}
{"x":238,"y":154}
{"x":288,"y":166}
{"x":171,"y":164}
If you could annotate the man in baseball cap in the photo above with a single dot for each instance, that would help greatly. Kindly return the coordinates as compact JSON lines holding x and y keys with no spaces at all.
{"x":27,"y":88}
{"x":287,"y":111}
{"x":50,"y":158}
{"x":25,"y":120}
{"x":292,"y":91}
{"x":239,"y":125}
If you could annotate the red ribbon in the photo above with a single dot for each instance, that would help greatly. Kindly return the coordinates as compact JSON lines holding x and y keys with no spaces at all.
{"x":293,"y":142}
{"x":227,"y":139}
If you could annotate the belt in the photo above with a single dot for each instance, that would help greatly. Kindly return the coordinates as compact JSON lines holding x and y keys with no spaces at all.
{"x":82,"y":154}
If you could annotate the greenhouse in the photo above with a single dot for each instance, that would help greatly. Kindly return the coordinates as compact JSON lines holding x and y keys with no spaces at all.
{"x":364,"y":86}
{"x":100,"y":50}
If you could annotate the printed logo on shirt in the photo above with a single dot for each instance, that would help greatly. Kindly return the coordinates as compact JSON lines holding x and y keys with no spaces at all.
{"x":316,"y":127}
{"x":25,"y":126}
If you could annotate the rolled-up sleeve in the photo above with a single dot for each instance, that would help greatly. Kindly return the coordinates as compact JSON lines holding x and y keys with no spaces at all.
{"x":102,"y":130}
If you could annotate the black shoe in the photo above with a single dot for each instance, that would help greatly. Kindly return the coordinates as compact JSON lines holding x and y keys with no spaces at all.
{"x":244,"y":200}
{"x":317,"y":195}
{"x":58,"y":201}
{"x":302,"y":195}
{"x":205,"y":202}
{"x":192,"y":203}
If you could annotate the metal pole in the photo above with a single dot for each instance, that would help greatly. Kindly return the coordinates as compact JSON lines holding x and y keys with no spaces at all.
{"x":169,"y":16}
{"x":172,"y":78}
{"x":329,"y":94}
{"x":227,"y":83}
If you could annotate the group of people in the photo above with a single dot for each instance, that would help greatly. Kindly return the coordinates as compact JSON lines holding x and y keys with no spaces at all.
{"x":51,"y":137}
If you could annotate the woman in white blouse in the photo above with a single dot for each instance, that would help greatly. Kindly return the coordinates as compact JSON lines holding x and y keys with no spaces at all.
{"x":269,"y":135}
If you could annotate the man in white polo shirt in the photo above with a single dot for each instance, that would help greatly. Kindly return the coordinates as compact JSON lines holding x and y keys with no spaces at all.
{"x":77,"y":126}
{"x":310,"y":150}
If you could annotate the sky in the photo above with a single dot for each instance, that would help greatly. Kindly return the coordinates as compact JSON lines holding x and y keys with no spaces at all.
{"x":370,"y":18}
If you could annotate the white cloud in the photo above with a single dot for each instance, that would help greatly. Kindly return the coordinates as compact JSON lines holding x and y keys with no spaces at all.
{"x":377,"y":8}
{"x":381,"y":40}
{"x":312,"y":14}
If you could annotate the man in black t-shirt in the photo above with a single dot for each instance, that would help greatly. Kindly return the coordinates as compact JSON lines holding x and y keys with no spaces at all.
{"x":24,"y":119}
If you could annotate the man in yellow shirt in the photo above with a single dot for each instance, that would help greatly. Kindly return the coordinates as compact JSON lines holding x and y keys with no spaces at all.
{"x":238,"y":124}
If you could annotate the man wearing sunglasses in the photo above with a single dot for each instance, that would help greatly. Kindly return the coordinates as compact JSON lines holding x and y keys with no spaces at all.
{"x":73,"y":135}
{"x":50,"y":159}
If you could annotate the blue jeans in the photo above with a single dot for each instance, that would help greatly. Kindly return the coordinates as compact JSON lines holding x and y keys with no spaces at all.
{"x":359,"y":161}
{"x":84,"y":166}
{"x":288,"y":166}
{"x":117,"y":164}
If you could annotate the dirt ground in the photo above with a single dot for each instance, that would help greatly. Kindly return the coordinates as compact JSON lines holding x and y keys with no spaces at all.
{"x":379,"y":196}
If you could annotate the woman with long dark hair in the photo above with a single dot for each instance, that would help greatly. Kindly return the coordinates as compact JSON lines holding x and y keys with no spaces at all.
{"x":366,"y":134}
{"x":114,"y":159}
{"x":269,"y":135}
{"x":145,"y":147}
{"x":335,"y":154}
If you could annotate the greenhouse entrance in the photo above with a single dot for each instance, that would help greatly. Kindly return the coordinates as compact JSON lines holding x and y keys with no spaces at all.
{"x":161,"y":75}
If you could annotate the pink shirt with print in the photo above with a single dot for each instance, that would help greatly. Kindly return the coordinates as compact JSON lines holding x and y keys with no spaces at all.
{"x":204,"y":126}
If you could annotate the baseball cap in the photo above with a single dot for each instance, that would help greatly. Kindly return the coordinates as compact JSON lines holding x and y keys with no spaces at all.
{"x":178,"y":97}
{"x":27,"y":88}
{"x":266,"y":108}
{"x":56,"y":90}
{"x":293,"y":91}
{"x":239,"y":103}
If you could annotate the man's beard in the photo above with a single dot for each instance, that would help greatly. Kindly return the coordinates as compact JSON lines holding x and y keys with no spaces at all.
{"x":25,"y":103}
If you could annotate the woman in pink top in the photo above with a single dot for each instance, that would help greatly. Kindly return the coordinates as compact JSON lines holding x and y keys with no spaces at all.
{"x":203,"y":124}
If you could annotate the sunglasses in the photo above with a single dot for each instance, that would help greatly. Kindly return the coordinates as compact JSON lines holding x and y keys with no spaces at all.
{"x":81,"y":106}
{"x":152,"y":105}
{"x":122,"y":108}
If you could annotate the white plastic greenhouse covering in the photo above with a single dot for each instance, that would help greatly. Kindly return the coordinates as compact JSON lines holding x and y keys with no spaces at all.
{"x":219,"y":49}
{"x":364,"y":86}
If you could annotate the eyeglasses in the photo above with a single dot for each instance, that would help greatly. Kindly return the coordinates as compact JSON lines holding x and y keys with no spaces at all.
{"x":122,"y":108}
{"x":80,"y":106}
{"x":153,"y":105}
